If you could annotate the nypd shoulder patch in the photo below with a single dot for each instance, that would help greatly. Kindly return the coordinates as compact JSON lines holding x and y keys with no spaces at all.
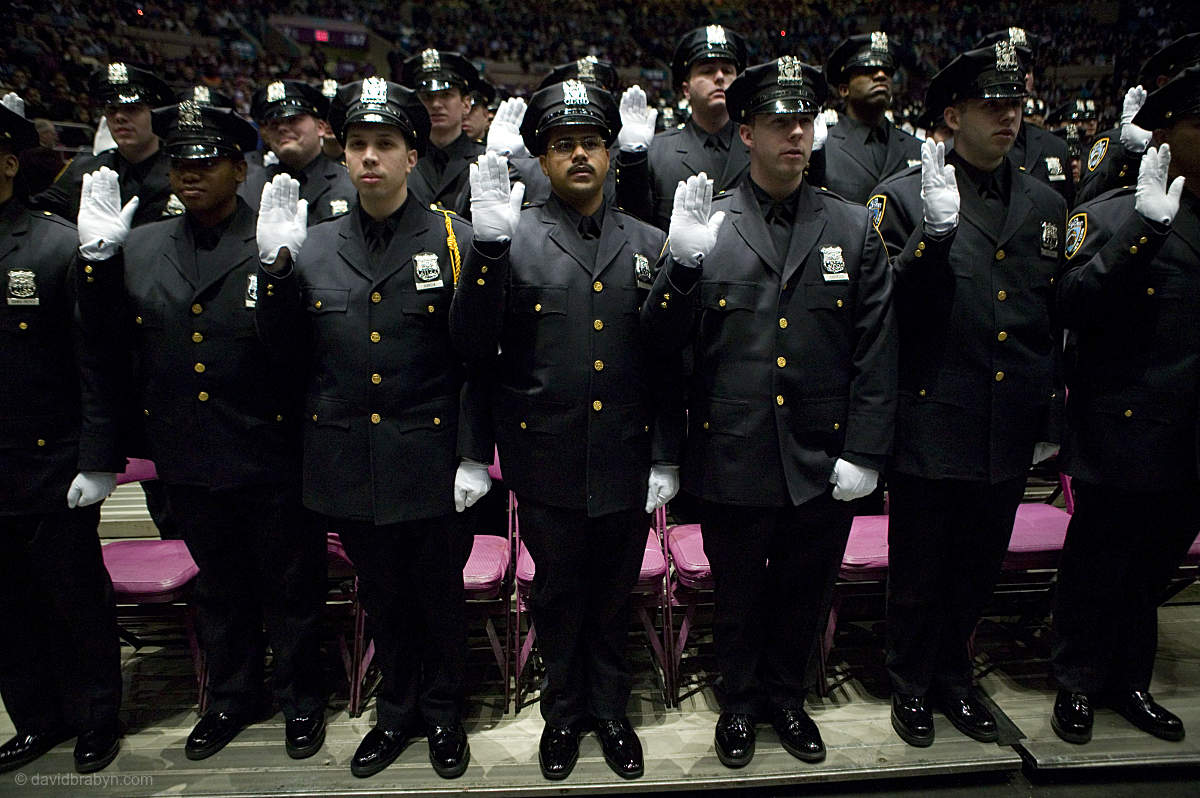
{"x":876,"y":206}
{"x":1076,"y":233}
{"x":1096,"y":153}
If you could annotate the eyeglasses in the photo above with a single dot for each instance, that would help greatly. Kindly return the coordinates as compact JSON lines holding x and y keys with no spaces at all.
{"x":567,"y":146}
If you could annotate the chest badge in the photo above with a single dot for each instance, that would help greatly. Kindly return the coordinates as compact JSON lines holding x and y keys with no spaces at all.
{"x":913,"y":162}
{"x":22,"y":288}
{"x":174,"y":206}
{"x":641,"y":270}
{"x":426,"y":271}
{"x":339,"y":206}
{"x":833,"y":265}
{"x":251,"y":290}
{"x":1049,"y":239}
{"x":1054,"y":168}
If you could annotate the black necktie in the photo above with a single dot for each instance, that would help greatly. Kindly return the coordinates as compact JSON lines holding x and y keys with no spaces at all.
{"x":207,"y":238}
{"x":377,"y":235}
{"x":779,"y":216}
{"x":713,"y":142}
{"x":588,"y":229}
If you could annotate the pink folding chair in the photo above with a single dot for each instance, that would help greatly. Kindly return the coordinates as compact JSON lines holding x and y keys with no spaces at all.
{"x":488,"y":588}
{"x":691,"y":585}
{"x":649,"y":597}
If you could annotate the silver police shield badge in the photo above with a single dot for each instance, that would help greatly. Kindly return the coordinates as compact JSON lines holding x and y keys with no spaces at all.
{"x":174,"y":206}
{"x":338,"y":206}
{"x":641,"y":270}
{"x":1049,"y":238}
{"x":22,"y":288}
{"x":833,"y":265}
{"x":426,"y":272}
{"x":1054,"y":168}
{"x":251,"y":290}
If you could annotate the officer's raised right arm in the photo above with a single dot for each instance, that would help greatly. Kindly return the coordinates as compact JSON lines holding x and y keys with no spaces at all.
{"x":281,"y":232}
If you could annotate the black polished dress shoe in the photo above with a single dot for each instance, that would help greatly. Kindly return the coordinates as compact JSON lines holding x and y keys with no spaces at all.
{"x":969,"y":715}
{"x":622,"y":748}
{"x":448,"y":750}
{"x":97,"y":747}
{"x":24,"y":748}
{"x":378,"y":749}
{"x":212,"y":733}
{"x":558,"y":751}
{"x":734,"y":739}
{"x":1140,"y":709}
{"x":305,"y":734}
{"x":912,"y":719}
{"x":799,"y":734}
{"x":1072,"y":717}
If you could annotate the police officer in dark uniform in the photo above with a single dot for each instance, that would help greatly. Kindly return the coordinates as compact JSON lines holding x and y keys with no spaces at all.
{"x":205,"y":95}
{"x":482,"y":97}
{"x":979,"y":393}
{"x":60,"y":671}
{"x":1112,"y":161}
{"x":574,"y":393}
{"x":219,"y":419}
{"x":787,"y":307}
{"x":365,"y":308}
{"x":1131,"y":299}
{"x":705,"y":62}
{"x":1036,"y":151}
{"x":127,"y":94}
{"x":442,"y":80}
{"x":864,"y":147}
{"x":290,"y":115}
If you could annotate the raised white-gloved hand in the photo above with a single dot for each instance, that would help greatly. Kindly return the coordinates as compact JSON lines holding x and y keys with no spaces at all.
{"x":282,"y":219}
{"x":471,"y":483}
{"x":13,"y":102}
{"x":637,"y":121}
{"x":1152,"y":198}
{"x":693,"y":228}
{"x":1133,"y":138}
{"x":90,"y":487}
{"x":270,"y":158}
{"x":851,"y":481}
{"x":939,"y":189}
{"x":504,"y":136}
{"x":1044,"y":450}
{"x":662,"y":486}
{"x":820,"y":132}
{"x":103,"y":140}
{"x":103,"y":224}
{"x":495,"y":204}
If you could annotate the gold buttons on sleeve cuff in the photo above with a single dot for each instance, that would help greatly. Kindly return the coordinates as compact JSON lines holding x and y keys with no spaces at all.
{"x":921,"y":246}
{"x":721,"y":302}
{"x":918,"y":253}
{"x":317,"y":304}
{"x":840,"y":303}
{"x":921,"y":392}
{"x":41,"y":442}
{"x":1143,"y":240}
{"x":481,"y":281}
{"x":138,"y":319}
{"x":705,"y":425}
{"x":437,"y":422}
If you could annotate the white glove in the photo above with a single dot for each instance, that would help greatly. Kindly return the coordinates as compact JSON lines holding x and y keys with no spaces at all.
{"x":1133,"y":138}
{"x":90,"y":487}
{"x":820,"y":132}
{"x":270,"y":158}
{"x":939,"y":188}
{"x":662,"y":486}
{"x":637,"y":121}
{"x":1153,"y":199}
{"x":471,"y":483}
{"x":1044,"y":451}
{"x":852,"y":482}
{"x":103,"y":140}
{"x":103,"y":224}
{"x":504,"y":136}
{"x":13,"y":102}
{"x":495,"y":204}
{"x":693,"y":229}
{"x":282,"y":219}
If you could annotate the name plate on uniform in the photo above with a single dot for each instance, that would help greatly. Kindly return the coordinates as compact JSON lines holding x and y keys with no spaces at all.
{"x":426,"y":271}
{"x":833,"y":265}
{"x":251,"y":290}
{"x":22,"y":288}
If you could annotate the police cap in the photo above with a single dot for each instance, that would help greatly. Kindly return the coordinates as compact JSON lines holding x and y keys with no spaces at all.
{"x":375,"y":101}
{"x":863,"y":51}
{"x":283,"y":98}
{"x":586,"y":70}
{"x":1177,"y":98}
{"x":435,"y":70}
{"x":786,"y":85}
{"x":712,"y":41}
{"x":571,"y":102}
{"x":192,"y":131}
{"x":120,"y":83}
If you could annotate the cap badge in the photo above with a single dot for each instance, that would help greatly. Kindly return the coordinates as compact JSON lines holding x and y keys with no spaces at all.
{"x":574,"y":93}
{"x":189,"y":115}
{"x":1018,"y":37}
{"x":276,"y":92}
{"x":201,"y":94}
{"x":715,"y":35}
{"x":431,"y":60}
{"x":1006,"y":57}
{"x":329,"y":88}
{"x":789,"y":71}
{"x":374,"y":91}
{"x":879,"y":42}
{"x":586,"y":67}
{"x":118,"y":73}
